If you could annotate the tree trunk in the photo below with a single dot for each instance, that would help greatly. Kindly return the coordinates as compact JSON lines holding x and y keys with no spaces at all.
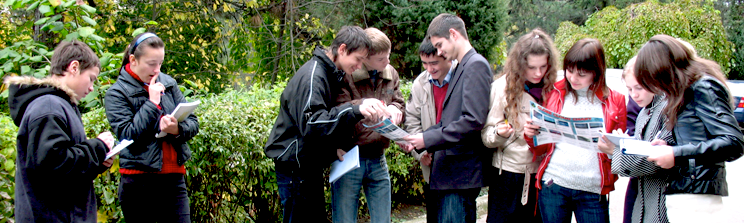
{"x":279,"y":44}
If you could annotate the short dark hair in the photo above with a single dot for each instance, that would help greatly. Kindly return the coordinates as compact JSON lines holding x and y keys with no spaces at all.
{"x":354,"y":37}
{"x":427,"y":49}
{"x":68,"y":51}
{"x":587,"y":55}
{"x":441,"y":25}
{"x":152,"y":42}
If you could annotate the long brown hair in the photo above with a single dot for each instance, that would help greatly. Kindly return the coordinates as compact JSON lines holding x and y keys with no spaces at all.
{"x":138,"y":49}
{"x":536,"y":42}
{"x":666,"y":66}
{"x":587,"y":55}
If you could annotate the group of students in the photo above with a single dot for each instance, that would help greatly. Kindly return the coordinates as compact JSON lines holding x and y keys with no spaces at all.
{"x":467,"y":128}
{"x":57,"y":163}
{"x":470,"y":129}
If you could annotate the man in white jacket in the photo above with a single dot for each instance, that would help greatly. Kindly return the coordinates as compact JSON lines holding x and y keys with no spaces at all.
{"x":421,"y":112}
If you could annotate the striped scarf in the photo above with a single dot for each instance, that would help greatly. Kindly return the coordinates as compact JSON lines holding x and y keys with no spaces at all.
{"x":649,"y":205}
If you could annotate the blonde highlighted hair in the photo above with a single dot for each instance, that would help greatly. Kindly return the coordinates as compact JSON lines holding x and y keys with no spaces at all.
{"x":379,"y":41}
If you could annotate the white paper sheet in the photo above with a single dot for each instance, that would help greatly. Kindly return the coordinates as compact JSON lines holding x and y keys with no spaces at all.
{"x":615,"y":139}
{"x":122,"y":145}
{"x":339,"y":168}
{"x":182,"y":111}
{"x":640,"y":148}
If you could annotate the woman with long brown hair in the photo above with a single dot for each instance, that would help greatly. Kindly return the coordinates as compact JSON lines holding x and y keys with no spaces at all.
{"x":700,"y":120}
{"x":575,"y":179}
{"x":529,"y":74}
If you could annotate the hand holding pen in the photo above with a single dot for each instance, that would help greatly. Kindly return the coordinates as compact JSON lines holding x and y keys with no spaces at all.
{"x":504,"y":130}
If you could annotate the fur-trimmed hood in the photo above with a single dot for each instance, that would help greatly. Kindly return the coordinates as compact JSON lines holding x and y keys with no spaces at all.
{"x":22,"y":90}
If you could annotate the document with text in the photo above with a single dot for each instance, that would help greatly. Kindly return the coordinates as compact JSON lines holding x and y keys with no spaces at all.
{"x":582,"y":131}
{"x":389,"y":130}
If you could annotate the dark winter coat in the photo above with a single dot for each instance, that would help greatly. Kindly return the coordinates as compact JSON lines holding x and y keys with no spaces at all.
{"x":308,"y":128}
{"x":133,"y":116}
{"x":56,"y":163}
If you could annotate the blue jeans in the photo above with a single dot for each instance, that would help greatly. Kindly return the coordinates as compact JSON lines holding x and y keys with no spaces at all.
{"x":301,"y":193}
{"x":457,"y":205}
{"x":557,"y":203}
{"x":373,"y":176}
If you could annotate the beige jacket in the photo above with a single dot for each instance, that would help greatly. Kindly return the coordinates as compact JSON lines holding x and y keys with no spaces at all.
{"x":512,"y":153}
{"x":421,"y":113}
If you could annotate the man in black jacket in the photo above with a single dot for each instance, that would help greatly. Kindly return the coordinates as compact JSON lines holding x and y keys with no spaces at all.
{"x":56,"y":163}
{"x":308,"y":129}
{"x":459,"y":156}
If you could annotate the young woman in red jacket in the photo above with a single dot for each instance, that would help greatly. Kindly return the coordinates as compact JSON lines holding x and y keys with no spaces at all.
{"x":573,"y":178}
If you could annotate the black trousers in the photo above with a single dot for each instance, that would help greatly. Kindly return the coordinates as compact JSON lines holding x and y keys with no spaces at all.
{"x":505,"y":198}
{"x":154,"y":198}
{"x":432,"y":204}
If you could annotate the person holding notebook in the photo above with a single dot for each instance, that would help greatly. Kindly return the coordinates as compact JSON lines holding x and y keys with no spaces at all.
{"x":138,"y":106}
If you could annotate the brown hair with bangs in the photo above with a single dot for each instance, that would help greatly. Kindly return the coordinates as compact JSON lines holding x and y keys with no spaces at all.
{"x":666,"y":66}
{"x":587,"y":55}
{"x":534,"y":43}
{"x":67,"y":52}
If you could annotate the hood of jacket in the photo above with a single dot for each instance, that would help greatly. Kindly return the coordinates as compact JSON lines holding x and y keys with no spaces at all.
{"x":22,"y":90}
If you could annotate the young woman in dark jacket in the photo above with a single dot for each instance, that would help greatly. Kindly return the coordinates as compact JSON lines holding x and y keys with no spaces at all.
{"x":138,"y":105}
{"x":701,"y":121}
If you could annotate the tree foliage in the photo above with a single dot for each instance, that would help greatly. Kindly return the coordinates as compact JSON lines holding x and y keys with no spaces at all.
{"x":62,"y":20}
{"x":732,"y":13}
{"x":405,"y":22}
{"x":624,"y":31}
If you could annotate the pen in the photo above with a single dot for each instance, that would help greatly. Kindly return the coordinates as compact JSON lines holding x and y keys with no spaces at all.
{"x":506,"y":122}
{"x":657,"y":135}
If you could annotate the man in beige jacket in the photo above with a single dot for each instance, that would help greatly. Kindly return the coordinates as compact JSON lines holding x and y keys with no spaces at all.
{"x":421,"y":112}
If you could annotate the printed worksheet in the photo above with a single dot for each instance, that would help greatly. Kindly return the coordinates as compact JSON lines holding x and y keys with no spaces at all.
{"x":583,"y":131}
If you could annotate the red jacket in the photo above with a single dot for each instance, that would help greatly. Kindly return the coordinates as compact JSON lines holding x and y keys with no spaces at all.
{"x":615,"y":116}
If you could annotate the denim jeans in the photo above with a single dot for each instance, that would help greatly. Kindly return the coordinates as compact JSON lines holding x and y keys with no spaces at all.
{"x":154,"y":197}
{"x":373,"y":176}
{"x":505,"y":198}
{"x":301,"y":193}
{"x":457,"y":205}
{"x":557,"y":203}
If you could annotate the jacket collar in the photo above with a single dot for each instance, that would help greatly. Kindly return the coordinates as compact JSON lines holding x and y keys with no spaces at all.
{"x":135,"y":86}
{"x":46,"y":82}
{"x":22,"y":90}
{"x":320,"y":54}
{"x":363,"y":73}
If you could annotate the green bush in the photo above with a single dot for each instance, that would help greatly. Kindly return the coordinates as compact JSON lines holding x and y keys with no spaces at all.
{"x":8,"y":132}
{"x":230,"y":179}
{"x":623,"y":32}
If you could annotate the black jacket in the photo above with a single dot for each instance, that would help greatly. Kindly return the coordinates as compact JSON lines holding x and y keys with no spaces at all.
{"x":707,"y":135}
{"x":460,"y":158}
{"x":56,"y":163}
{"x":133,"y":116}
{"x":307,"y":117}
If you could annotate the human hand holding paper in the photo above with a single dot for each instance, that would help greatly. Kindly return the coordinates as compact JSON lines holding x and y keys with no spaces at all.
{"x":122,"y":145}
